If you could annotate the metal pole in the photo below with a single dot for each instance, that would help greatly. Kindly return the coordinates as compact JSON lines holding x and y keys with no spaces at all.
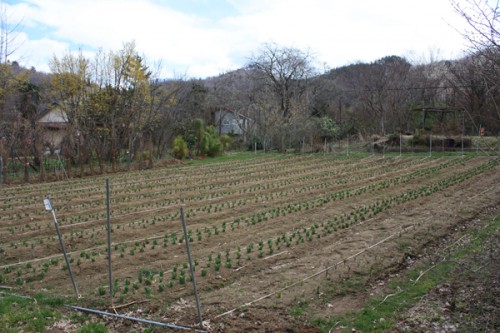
{"x":430,"y":146}
{"x":109,"y":243}
{"x":478,"y":139}
{"x":48,"y":206}
{"x":373,"y":146}
{"x":400,"y":145}
{"x":104,"y":313}
{"x":147,"y":321}
{"x":186,"y":239}
{"x":463,"y":131}
{"x":383,"y":149}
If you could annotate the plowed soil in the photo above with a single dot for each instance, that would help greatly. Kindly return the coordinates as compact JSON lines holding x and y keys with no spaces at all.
{"x":324,"y":224}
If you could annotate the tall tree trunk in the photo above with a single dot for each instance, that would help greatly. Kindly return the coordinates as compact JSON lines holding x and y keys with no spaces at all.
{"x":113,"y":150}
{"x":39,"y":150}
{"x":80,"y":156}
{"x":26,"y":163}
{"x":129,"y":153}
{"x":68,"y":166}
{"x":91,"y":161}
{"x":142,"y":151}
{"x":5,"y":161}
{"x":100,"y":161}
{"x":150,"y":157}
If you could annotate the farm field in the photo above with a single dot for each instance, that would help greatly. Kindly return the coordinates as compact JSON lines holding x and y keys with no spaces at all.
{"x":268,"y":233}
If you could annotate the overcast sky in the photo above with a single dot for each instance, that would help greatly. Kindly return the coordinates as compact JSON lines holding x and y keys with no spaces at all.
{"x":200,"y":38}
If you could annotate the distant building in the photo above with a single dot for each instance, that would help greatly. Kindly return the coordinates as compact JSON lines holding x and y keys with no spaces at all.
{"x":230,"y":122}
{"x":54,"y":125}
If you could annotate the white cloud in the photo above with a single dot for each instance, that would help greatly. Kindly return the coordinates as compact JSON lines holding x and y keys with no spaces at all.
{"x":336,"y":31}
{"x":38,"y":53}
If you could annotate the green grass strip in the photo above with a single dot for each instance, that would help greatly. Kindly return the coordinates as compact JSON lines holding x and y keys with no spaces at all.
{"x":404,"y":292}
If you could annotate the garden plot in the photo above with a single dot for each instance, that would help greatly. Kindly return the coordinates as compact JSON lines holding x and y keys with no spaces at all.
{"x":267,"y":232}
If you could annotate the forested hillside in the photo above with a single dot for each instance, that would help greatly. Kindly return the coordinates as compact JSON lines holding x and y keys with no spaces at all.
{"x":114,"y":108}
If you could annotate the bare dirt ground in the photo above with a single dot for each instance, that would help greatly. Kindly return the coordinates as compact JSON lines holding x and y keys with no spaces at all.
{"x":278,"y":290}
{"x":431,"y":220}
{"x":469,"y":300}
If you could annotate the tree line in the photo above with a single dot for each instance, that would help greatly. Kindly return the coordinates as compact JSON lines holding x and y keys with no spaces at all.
{"x":118,"y":110}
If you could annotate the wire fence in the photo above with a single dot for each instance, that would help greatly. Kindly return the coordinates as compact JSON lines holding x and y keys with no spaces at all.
{"x":56,"y":168}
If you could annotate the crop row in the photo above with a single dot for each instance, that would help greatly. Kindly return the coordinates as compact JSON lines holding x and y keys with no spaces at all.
{"x":153,"y":280}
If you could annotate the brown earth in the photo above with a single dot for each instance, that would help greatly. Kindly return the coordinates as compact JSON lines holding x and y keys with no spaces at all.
{"x":280,"y":291}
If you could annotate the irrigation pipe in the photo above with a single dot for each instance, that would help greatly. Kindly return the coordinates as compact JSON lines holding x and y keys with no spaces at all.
{"x":104,"y":313}
{"x":147,"y":321}
{"x":313,"y":275}
{"x":487,"y":190}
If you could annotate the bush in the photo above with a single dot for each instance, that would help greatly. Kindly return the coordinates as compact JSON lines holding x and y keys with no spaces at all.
{"x":226,"y":141}
{"x":210,"y":143}
{"x":253,"y":142}
{"x":420,"y":140}
{"x":180,"y":147}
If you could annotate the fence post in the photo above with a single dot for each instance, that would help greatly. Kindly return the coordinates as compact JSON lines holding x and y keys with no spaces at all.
{"x":48,"y":207}
{"x":373,"y":146}
{"x":186,"y":239}
{"x":108,"y":223}
{"x":400,"y":144}
{"x":463,"y":131}
{"x":430,"y":145}
{"x":478,"y":140}
{"x":383,"y":150}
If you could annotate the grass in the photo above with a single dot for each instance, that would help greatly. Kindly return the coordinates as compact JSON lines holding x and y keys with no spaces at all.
{"x":299,"y":309}
{"x":93,"y":328}
{"x":236,"y":156}
{"x":23,"y":314}
{"x":380,"y":313}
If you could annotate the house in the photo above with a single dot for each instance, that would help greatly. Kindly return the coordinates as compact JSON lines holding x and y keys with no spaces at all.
{"x":230,"y":122}
{"x":54,"y":125}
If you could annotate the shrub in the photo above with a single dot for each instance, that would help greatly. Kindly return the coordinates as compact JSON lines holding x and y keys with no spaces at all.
{"x":420,"y":140}
{"x":210,"y":143}
{"x":180,"y":147}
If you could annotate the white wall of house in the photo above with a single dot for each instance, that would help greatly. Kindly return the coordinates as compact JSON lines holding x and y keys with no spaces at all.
{"x":230,"y":123}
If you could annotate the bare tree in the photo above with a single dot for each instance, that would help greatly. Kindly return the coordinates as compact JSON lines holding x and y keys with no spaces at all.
{"x":9,"y":34}
{"x":379,"y":89}
{"x":483,"y":33}
{"x":285,"y":71}
{"x":482,"y":18}
{"x":281,"y":78}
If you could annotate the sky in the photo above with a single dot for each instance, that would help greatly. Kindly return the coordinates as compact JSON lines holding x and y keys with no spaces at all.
{"x":203,"y":38}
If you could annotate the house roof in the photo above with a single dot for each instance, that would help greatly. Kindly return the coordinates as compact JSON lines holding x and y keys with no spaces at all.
{"x":233,"y":112}
{"x":53,"y":116}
